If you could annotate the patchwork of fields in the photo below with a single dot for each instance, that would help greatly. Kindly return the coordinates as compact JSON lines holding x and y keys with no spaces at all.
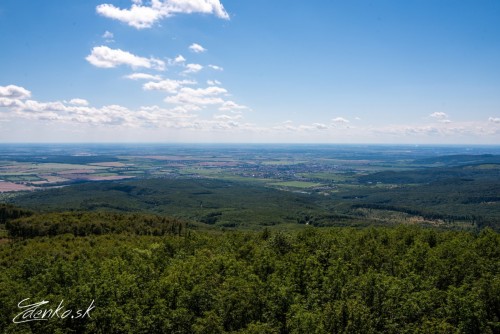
{"x":277,"y":186}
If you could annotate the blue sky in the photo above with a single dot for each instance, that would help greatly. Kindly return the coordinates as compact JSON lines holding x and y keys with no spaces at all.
{"x":387,"y":71}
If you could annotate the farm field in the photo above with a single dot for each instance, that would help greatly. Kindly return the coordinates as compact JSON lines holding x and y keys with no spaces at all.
{"x":251,"y":186}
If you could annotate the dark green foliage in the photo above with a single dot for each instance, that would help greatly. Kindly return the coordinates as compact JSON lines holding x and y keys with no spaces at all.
{"x":434,"y":174}
{"x":211,"y":218}
{"x":88,"y":223}
{"x":216,"y":202}
{"x":343,"y":280}
{"x":467,"y":200}
{"x":472,"y":203}
{"x":9,"y":212}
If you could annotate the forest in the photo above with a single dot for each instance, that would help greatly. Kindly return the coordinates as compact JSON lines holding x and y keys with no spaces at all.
{"x":468,"y":200}
{"x":157,"y":274}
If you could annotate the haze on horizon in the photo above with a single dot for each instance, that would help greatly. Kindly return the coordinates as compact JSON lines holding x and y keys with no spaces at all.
{"x":191,"y":71}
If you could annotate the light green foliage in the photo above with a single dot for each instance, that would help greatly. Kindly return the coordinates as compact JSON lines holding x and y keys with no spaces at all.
{"x":343,"y":280}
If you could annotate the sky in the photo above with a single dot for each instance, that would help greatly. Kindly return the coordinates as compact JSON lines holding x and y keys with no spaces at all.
{"x":260,"y":71}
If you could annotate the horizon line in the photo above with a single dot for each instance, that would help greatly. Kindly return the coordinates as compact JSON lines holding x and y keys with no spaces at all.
{"x":246,"y":143}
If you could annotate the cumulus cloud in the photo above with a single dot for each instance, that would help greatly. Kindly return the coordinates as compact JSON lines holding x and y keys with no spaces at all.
{"x":196,"y":6}
{"x":108,"y":35}
{"x":79,"y":102}
{"x":443,"y":130}
{"x":198,"y":96}
{"x":15,"y":103}
{"x":215,"y":67}
{"x":288,"y":126}
{"x":14,"y":92}
{"x":193,"y":68}
{"x":213,"y":82}
{"x":179,"y":59}
{"x":440,"y":116}
{"x":78,"y":111}
{"x":227,"y":117}
{"x":197,"y":48}
{"x":105,"y":57}
{"x":143,"y":76}
{"x":231,"y":106}
{"x":10,"y":103}
{"x":142,"y":16}
{"x":340,"y":120}
{"x":225,"y":125}
{"x":320,"y":126}
{"x":168,"y":85}
{"x":137,"y":16}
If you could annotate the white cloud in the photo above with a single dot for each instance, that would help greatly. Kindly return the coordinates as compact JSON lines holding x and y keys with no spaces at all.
{"x":320,"y":126}
{"x":137,"y":16}
{"x":142,"y":16}
{"x":108,"y":35}
{"x":439,"y":115}
{"x":186,"y":108}
{"x":35,"y":106}
{"x":104,"y":57}
{"x":179,"y":59}
{"x":288,"y":126}
{"x":168,"y":85}
{"x":340,"y":120}
{"x":193,"y":68}
{"x":76,"y":113}
{"x":215,"y":67}
{"x":10,"y":103}
{"x":225,"y":125}
{"x":340,"y":123}
{"x":444,"y":131}
{"x":231,"y":106}
{"x":79,"y":102}
{"x":227,"y":117}
{"x":213,"y":82}
{"x":197,"y":6}
{"x":143,"y":76}
{"x":197,"y":48}
{"x":14,"y":92}
{"x":198,"y":96}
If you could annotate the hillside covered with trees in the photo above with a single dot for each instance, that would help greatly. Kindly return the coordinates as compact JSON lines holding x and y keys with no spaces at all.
{"x":150,"y":274}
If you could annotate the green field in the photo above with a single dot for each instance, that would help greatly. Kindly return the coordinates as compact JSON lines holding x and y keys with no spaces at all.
{"x":296,"y":184}
{"x":201,"y":171}
{"x":335,"y":177}
{"x":283,"y":162}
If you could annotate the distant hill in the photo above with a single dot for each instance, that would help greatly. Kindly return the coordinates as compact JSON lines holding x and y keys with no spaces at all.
{"x":460,"y":159}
